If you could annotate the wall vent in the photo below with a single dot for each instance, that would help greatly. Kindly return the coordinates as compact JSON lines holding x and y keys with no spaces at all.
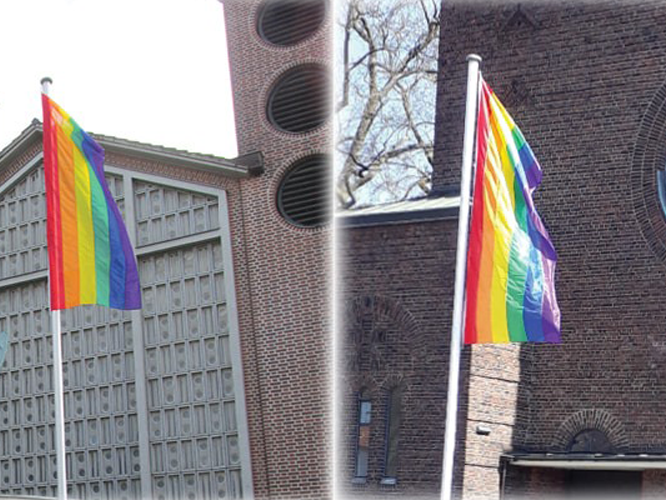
{"x":299,"y":101}
{"x":287,"y":22}
{"x":303,"y":197}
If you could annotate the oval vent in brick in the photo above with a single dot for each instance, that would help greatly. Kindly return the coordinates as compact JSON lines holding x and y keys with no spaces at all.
{"x":287,"y":22}
{"x":303,"y":195}
{"x":298,"y":101}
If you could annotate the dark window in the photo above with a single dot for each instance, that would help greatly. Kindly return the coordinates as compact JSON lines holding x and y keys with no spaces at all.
{"x":363,"y":436}
{"x":286,"y":22}
{"x":661,"y":189}
{"x":298,"y":101}
{"x":393,"y":417}
{"x":606,"y":484}
{"x":304,"y":193}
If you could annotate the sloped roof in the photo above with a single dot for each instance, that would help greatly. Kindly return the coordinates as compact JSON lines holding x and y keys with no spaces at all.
{"x":414,"y":210}
{"x":249,"y":165}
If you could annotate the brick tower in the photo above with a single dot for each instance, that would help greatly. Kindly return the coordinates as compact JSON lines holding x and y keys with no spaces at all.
{"x":279,"y":57}
{"x":218,"y":386}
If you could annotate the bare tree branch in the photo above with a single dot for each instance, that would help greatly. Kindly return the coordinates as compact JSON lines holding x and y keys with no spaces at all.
{"x":345,"y":62}
{"x":385,"y":140}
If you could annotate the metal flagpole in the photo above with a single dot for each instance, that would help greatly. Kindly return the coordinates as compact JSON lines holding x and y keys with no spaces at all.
{"x":461,"y":263}
{"x":61,"y":469}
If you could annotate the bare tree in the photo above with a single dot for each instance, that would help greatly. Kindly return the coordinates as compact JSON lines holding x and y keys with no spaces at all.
{"x":386,"y":106}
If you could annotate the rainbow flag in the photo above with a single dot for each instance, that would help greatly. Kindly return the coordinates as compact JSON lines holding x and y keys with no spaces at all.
{"x":90,"y":257}
{"x":510,"y":295}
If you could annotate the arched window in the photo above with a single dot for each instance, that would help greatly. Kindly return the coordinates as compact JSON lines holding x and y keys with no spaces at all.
{"x":661,"y":189}
{"x":363,"y":435}
{"x":393,"y":418}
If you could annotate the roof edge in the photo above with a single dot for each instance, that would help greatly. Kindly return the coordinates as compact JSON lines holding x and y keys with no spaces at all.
{"x":21,"y":143}
{"x":244,"y":166}
{"x":429,"y":215}
{"x":591,"y":461}
{"x":415,"y":210}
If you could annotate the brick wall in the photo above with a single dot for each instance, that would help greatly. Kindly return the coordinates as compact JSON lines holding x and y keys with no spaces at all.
{"x":285,"y":317}
{"x":411,"y":266}
{"x":654,"y":483}
{"x":586,"y":83}
{"x":396,"y":316}
{"x":524,"y":483}
{"x":582,"y":115}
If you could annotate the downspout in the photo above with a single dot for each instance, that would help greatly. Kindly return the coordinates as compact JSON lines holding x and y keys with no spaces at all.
{"x":503,"y":465}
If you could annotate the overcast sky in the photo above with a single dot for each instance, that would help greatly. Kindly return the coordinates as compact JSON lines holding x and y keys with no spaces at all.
{"x":152,"y":71}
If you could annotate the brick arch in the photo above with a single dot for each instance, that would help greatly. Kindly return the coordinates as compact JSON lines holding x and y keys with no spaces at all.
{"x":368,"y":318}
{"x":392,"y":380}
{"x":387,"y":308}
{"x":649,"y":156}
{"x":372,"y":384}
{"x":591,"y":419}
{"x":377,"y":386}
{"x":409,"y":396}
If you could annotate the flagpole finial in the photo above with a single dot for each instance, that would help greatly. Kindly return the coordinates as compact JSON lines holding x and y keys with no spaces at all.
{"x":46,"y":81}
{"x":474,"y":57}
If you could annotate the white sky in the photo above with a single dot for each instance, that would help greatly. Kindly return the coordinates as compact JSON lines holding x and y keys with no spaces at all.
{"x":153,"y":71}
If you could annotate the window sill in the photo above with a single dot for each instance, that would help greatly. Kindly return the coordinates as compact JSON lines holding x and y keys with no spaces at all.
{"x":359,"y":480}
{"x":389,"y":481}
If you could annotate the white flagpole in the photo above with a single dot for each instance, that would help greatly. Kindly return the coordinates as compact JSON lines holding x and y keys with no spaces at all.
{"x":461,"y":264}
{"x":61,"y":469}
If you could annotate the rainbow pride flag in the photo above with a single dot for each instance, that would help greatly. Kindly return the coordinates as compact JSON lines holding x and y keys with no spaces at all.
{"x":90,"y":257}
{"x":510,"y":295}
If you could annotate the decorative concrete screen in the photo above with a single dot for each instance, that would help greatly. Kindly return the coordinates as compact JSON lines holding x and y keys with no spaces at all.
{"x":154,"y":398}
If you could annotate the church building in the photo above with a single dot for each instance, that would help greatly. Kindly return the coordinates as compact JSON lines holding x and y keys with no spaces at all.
{"x":586,"y":84}
{"x":218,"y":386}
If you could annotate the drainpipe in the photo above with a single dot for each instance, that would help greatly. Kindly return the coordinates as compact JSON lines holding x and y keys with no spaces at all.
{"x":503,"y":465}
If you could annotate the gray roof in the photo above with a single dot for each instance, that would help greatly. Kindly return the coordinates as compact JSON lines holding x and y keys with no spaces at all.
{"x":248,"y":165}
{"x":401,"y":212}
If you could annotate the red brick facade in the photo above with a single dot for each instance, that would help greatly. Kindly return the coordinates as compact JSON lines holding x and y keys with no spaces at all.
{"x":281,"y":288}
{"x":286,"y":271}
{"x":395,"y":308}
{"x":585,"y":82}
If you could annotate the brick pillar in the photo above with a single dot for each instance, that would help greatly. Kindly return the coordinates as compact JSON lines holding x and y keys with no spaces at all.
{"x":285,"y":324}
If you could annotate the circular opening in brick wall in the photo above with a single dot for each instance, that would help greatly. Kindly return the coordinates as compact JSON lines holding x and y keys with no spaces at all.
{"x":298,"y":102}
{"x":303,"y":194}
{"x":646,"y":176}
{"x":287,"y":22}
